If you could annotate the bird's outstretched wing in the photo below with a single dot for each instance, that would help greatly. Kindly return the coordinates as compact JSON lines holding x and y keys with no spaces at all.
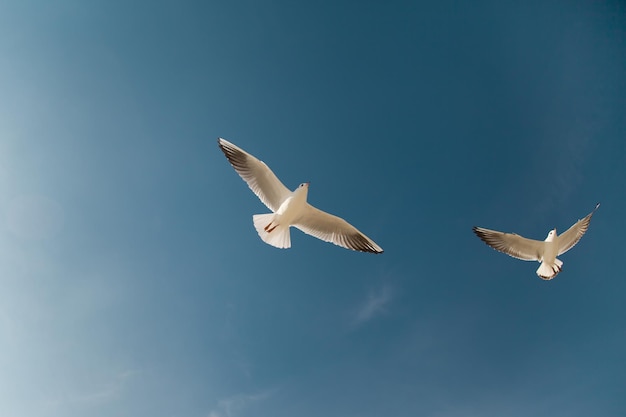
{"x":259,"y":176}
{"x":334,"y":229}
{"x":572,"y":235}
{"x":512,"y":244}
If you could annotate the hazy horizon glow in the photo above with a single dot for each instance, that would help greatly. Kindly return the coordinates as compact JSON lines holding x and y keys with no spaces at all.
{"x":134,"y":284}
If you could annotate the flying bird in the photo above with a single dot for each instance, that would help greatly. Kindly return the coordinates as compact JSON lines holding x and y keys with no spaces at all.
{"x":290,"y":208}
{"x":545,"y":252}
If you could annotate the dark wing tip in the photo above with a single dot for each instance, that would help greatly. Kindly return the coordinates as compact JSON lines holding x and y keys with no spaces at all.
{"x":222,"y":143}
{"x":479,"y":231}
{"x":235,"y":156}
{"x":487,"y":238}
{"x":360,"y":243}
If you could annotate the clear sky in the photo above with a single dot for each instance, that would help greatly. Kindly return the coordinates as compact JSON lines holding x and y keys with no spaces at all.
{"x":132,"y":281}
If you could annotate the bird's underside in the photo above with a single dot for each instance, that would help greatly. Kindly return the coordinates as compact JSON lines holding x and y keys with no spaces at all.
{"x":545,"y":251}
{"x":290,"y":208}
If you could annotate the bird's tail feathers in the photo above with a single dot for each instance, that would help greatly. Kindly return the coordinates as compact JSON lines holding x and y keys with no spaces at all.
{"x":547,"y":271}
{"x":271,"y":231}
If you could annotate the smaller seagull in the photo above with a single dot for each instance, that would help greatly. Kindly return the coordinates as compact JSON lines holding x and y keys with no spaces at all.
{"x":290,"y":208}
{"x":545,"y":252}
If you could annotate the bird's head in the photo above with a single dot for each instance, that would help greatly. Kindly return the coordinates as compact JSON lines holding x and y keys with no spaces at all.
{"x":303,"y":188}
{"x":551,"y":235}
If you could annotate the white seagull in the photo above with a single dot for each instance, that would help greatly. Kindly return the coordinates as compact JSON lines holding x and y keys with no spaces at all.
{"x":290,"y":208}
{"x":545,"y":252}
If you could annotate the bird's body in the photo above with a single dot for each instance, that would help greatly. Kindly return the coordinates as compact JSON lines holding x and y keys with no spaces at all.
{"x":550,"y":265}
{"x":545,"y":251}
{"x":290,"y":208}
{"x":273,"y":228}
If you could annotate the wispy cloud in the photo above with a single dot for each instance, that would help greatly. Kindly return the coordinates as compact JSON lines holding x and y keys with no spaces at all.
{"x":375,"y":305}
{"x":231,"y":406}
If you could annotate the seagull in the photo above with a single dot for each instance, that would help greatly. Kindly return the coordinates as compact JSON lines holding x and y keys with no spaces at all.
{"x":290,"y":208}
{"x":545,"y":252}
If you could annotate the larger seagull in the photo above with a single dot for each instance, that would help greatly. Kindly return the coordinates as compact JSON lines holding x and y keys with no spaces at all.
{"x":290,"y":208}
{"x":545,"y":252}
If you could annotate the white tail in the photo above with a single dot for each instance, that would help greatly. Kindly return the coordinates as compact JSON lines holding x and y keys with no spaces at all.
{"x":271,"y":231}
{"x":547,"y":271}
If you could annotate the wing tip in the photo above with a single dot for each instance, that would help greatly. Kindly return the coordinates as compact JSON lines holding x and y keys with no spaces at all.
{"x":377,"y":250}
{"x":480,"y":232}
{"x":235,"y":155}
{"x":367,"y":248}
{"x":360,"y":242}
{"x":224,"y":144}
{"x":371,"y":246}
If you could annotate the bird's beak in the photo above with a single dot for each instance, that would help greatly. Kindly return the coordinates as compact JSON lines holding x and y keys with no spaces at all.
{"x":307,"y":184}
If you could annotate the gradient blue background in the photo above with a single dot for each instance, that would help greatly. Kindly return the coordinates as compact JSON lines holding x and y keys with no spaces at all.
{"x":132,"y":282}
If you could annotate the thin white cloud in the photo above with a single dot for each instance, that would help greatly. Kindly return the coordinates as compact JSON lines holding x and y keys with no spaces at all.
{"x":375,"y":305}
{"x":232,"y":406}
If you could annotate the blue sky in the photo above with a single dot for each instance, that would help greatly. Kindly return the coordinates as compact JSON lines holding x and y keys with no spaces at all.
{"x":133,"y":282}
